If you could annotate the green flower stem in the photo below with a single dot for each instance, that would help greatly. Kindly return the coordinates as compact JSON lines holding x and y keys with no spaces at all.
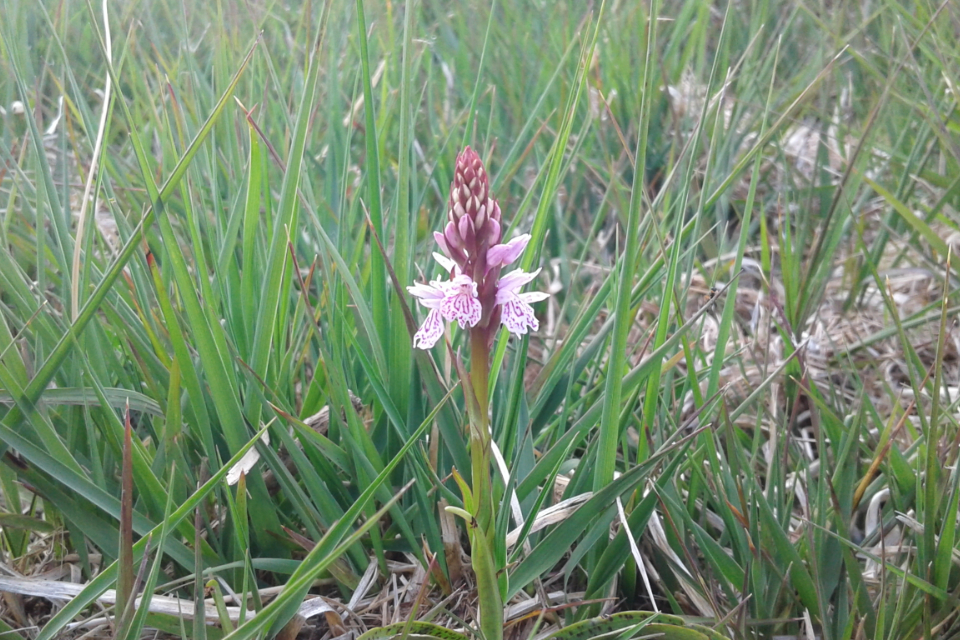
{"x":480,"y":369}
{"x":482,"y":528}
{"x":480,"y":432}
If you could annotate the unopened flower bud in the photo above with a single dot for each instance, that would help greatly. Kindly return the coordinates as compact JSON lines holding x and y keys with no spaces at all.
{"x":473,"y":214}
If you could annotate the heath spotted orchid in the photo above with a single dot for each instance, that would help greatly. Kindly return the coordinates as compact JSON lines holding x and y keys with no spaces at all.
{"x":473,"y":253}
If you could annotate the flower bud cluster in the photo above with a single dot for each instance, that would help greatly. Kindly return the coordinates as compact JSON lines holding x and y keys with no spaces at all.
{"x":473,"y":217}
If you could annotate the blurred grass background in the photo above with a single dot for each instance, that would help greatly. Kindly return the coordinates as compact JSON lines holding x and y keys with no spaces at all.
{"x":768,"y":364}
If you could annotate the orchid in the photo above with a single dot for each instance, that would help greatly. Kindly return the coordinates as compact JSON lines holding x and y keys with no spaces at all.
{"x":475,"y":296}
{"x":430,"y":296}
{"x":473,"y":253}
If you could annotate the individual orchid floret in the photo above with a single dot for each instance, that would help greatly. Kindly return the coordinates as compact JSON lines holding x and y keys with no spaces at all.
{"x":461,"y":304}
{"x":503,"y":254}
{"x":430,"y":296}
{"x":516,"y":314}
{"x":453,"y":300}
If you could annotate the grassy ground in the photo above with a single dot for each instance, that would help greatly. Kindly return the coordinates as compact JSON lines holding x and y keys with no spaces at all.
{"x":742,"y":396}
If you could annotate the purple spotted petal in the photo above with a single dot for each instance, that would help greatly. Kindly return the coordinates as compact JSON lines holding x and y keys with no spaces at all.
{"x":462,"y":308}
{"x":518,"y":316}
{"x":460,"y":303}
{"x":429,"y":332}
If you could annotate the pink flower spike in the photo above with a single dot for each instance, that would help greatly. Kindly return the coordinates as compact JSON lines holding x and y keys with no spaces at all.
{"x":504,"y":254}
{"x":460,"y":302}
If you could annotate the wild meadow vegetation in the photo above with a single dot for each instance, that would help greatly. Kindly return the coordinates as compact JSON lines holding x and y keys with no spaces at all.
{"x":739,"y":406}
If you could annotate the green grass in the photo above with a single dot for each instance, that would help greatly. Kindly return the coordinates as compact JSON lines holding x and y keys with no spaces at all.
{"x":272,"y":167}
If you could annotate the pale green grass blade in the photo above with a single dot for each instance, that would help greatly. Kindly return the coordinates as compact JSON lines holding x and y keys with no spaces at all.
{"x":183,"y":361}
{"x":68,"y":340}
{"x":609,"y":428}
{"x":276,"y":282}
{"x":108,"y":576}
{"x":378,"y":273}
{"x":599,"y":506}
{"x":81,"y":397}
{"x":401,"y":356}
{"x":330,"y":546}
